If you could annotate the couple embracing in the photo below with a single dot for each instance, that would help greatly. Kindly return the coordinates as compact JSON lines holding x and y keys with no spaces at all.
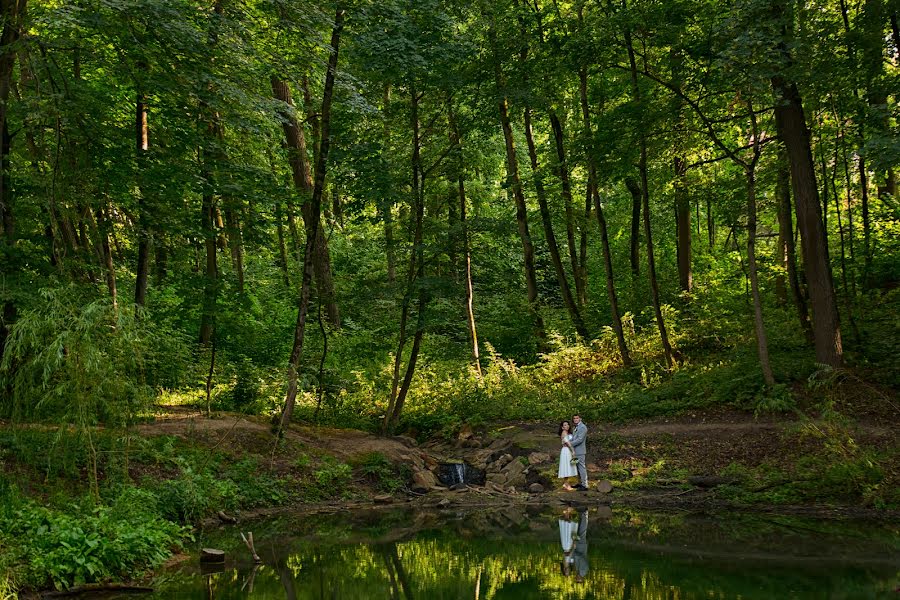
{"x":572,"y":456}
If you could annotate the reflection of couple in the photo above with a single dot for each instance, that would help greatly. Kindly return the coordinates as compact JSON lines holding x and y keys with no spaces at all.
{"x":573,"y":454}
{"x":573,"y":539}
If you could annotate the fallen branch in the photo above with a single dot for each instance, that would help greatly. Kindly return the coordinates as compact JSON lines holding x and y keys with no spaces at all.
{"x":248,"y":541}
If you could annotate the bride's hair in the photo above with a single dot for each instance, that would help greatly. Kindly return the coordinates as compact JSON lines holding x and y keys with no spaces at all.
{"x":561,"y":427}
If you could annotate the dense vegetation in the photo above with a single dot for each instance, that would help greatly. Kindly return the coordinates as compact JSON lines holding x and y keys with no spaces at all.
{"x":402,"y":216}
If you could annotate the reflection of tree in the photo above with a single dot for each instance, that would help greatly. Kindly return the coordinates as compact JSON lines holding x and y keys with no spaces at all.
{"x":395,"y":570}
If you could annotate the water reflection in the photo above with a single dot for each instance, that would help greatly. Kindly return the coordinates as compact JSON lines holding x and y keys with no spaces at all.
{"x":514,"y":554}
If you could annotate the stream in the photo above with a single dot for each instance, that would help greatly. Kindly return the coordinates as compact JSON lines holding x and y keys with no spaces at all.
{"x":535,"y":552}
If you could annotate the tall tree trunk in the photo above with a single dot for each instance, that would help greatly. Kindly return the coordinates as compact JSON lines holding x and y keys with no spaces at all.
{"x":415,"y":279}
{"x":211,"y":283}
{"x":385,"y":206}
{"x":683,"y":225}
{"x":142,"y":144}
{"x":787,"y":253}
{"x":645,"y":201}
{"x":762,"y":345}
{"x":515,"y":184}
{"x":282,"y":250}
{"x":791,"y":124}
{"x":315,"y":209}
{"x":12,"y":13}
{"x":295,"y":139}
{"x":578,"y":269}
{"x":594,"y":195}
{"x":235,"y":243}
{"x":456,"y":141}
{"x":634,"y":188}
{"x":547,"y":221}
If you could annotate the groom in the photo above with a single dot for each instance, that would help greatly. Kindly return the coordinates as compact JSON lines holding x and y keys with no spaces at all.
{"x":579,"y":449}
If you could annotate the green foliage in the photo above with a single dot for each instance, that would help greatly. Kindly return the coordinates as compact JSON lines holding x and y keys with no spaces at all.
{"x":81,"y":544}
{"x":376,"y":468}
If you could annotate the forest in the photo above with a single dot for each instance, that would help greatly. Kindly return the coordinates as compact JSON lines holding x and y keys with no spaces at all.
{"x":409,"y":217}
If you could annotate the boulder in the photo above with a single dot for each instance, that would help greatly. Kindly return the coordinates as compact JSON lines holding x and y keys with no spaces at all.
{"x":480,"y":459}
{"x":535,"y":488}
{"x":496,"y":479}
{"x":537,"y":458}
{"x":466,"y":432}
{"x":423,"y":481}
{"x":504,"y":460}
{"x":515,"y":473}
{"x":459,"y":487}
{"x":445,"y":503}
{"x":603,"y":486}
{"x":383,"y":499}
{"x":471,"y":443}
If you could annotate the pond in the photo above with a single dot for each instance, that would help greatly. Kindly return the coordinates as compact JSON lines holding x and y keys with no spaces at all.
{"x":535,"y":552}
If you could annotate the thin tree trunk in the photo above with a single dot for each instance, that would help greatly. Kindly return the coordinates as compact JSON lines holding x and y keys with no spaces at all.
{"x":282,"y":251}
{"x":683,"y":225}
{"x":762,"y":345}
{"x":645,"y":201}
{"x":594,"y":195}
{"x":515,"y":184}
{"x":791,"y":124}
{"x":295,"y":139}
{"x":416,"y":277}
{"x":211,"y":284}
{"x":386,"y":206}
{"x":456,"y":141}
{"x":578,"y":273}
{"x":710,"y":224}
{"x":142,"y":143}
{"x":547,"y":221}
{"x":12,"y":13}
{"x":635,"y":189}
{"x":315,"y":207}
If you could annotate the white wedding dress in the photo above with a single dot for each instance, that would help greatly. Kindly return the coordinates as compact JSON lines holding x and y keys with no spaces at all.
{"x":567,"y":532}
{"x":566,"y":468}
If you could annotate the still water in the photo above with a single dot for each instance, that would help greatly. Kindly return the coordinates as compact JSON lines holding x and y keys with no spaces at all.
{"x":518,"y":553}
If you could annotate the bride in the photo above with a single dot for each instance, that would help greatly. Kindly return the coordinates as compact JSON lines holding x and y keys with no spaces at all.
{"x":566,"y":468}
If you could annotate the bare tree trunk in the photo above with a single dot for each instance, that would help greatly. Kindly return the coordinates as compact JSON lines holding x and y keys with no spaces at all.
{"x":547,"y":221}
{"x":762,"y":345}
{"x":295,"y":139}
{"x":635,"y":189}
{"x":282,"y":251}
{"x":578,"y":271}
{"x":645,"y":201}
{"x":456,"y":141}
{"x":594,"y":194}
{"x":315,"y":209}
{"x":211,"y":286}
{"x":515,"y":183}
{"x":787,"y":253}
{"x":416,"y":277}
{"x":385,"y":206}
{"x":142,"y":143}
{"x":683,"y":225}
{"x":791,"y":124}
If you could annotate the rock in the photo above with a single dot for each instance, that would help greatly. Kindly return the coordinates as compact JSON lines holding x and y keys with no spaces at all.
{"x":707,"y":481}
{"x":535,"y":488}
{"x":480,"y":459}
{"x":465,"y":432}
{"x":503,"y":460}
{"x":407,"y":440}
{"x":604,"y":511}
{"x":497,"y":479}
{"x":603,"y":486}
{"x":425,"y":479}
{"x":459,"y":487}
{"x":499,"y":444}
{"x":515,"y":474}
{"x":445,"y":503}
{"x":472,"y":443}
{"x":431,"y":463}
{"x":537,"y":458}
{"x":225,"y":518}
{"x":212,"y":555}
{"x":383,"y":499}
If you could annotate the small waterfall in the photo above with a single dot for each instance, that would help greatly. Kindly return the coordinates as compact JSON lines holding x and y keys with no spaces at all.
{"x":453,"y":473}
{"x":460,"y":473}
